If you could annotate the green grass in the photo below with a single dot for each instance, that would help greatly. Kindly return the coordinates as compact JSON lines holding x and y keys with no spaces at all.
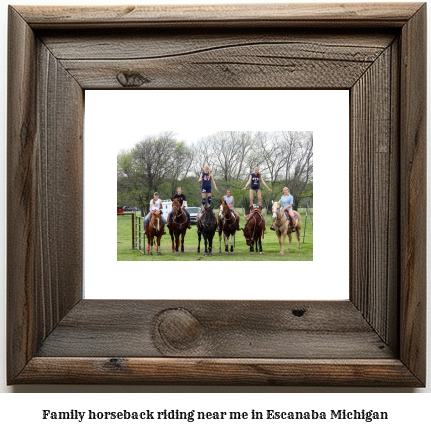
{"x":270,"y":246}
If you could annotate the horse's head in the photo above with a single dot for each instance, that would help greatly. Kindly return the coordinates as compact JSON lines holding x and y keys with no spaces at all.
{"x":224,"y":207}
{"x":176,"y":207}
{"x":156,"y":219}
{"x":248,"y":232}
{"x":276,"y":206}
{"x":220,"y":212}
{"x":208,"y":217}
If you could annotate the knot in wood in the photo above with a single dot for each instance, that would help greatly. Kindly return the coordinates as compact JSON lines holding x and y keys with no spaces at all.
{"x":131,"y":79}
{"x":298,"y":312}
{"x":178,"y":329}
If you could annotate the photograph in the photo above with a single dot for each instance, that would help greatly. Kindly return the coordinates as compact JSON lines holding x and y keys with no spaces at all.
{"x":228,"y":195}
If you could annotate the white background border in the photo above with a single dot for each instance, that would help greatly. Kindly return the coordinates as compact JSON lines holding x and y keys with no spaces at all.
{"x":110,"y":115}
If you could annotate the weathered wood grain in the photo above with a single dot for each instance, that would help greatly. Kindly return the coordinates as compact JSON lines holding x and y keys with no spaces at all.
{"x":393,"y":216}
{"x":59,"y":183}
{"x":44,"y":193}
{"x":413,"y":194}
{"x":21,"y":195}
{"x":329,"y":372}
{"x":374,"y":202}
{"x":235,"y":329}
{"x":212,"y":60}
{"x":262,"y":66}
{"x":376,"y":338}
{"x":253,"y":15}
{"x":141,"y":44}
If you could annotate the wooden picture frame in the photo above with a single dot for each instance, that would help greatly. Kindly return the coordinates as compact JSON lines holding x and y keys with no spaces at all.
{"x":376,"y":338}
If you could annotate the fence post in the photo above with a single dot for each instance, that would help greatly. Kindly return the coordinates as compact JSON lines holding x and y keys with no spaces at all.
{"x":308,"y":209}
{"x":305,"y":227}
{"x":138,"y":234}
{"x":133,"y":230}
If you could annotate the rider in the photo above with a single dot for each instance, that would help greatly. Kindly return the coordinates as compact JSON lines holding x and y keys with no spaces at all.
{"x":183,"y":201}
{"x":230,"y":201}
{"x":287,"y":203}
{"x":155,"y":204}
{"x":254,"y":181}
{"x":206,"y":177}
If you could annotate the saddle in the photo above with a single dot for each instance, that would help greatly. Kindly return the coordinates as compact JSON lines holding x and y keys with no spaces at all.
{"x":288,"y":217}
{"x":254,"y":211}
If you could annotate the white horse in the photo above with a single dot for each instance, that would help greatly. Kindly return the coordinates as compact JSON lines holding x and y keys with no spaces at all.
{"x":282,"y":226}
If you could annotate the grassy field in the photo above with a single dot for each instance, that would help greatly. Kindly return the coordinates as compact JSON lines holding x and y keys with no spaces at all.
{"x":270,"y":246}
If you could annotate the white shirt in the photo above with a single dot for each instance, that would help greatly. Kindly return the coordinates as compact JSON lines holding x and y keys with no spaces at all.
{"x":228,"y":200}
{"x":155,"y":205}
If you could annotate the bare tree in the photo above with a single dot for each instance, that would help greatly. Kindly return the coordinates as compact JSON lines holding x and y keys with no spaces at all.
{"x":203,"y":154}
{"x":298,"y":150}
{"x":230,"y":150}
{"x":182,"y":161}
{"x":161,"y":162}
{"x":154,"y":158}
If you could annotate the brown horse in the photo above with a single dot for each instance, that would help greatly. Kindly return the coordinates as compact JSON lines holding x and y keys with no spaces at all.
{"x":282,"y":226}
{"x":227,"y":225}
{"x":155,"y":230}
{"x":178,"y":225}
{"x":254,"y":231}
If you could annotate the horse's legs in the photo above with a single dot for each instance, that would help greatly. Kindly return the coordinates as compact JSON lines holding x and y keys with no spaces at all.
{"x":210,"y":243}
{"x":260,"y":246}
{"x":177,"y":241}
{"x":158,"y":245}
{"x":182,"y":241}
{"x":298,"y":237}
{"x":199,"y":242}
{"x":206,"y":244}
{"x":219,"y":241}
{"x":232,"y":237}
{"x":172,"y":238}
{"x":150,"y":246}
{"x":289,"y":234}
{"x":282,"y":240}
{"x":226,"y":243}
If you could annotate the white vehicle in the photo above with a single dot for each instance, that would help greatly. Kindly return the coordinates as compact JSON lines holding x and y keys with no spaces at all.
{"x":166,"y":207}
{"x":194,"y":211}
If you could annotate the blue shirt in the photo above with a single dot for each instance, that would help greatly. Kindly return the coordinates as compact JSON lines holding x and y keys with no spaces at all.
{"x":206,"y":180}
{"x":255,"y":181}
{"x":285,"y":201}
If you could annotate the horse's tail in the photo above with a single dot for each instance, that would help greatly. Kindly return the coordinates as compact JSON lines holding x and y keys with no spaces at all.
{"x":299,"y":221}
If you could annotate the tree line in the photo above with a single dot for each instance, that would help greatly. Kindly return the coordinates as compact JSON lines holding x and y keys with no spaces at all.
{"x":162,"y":163}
